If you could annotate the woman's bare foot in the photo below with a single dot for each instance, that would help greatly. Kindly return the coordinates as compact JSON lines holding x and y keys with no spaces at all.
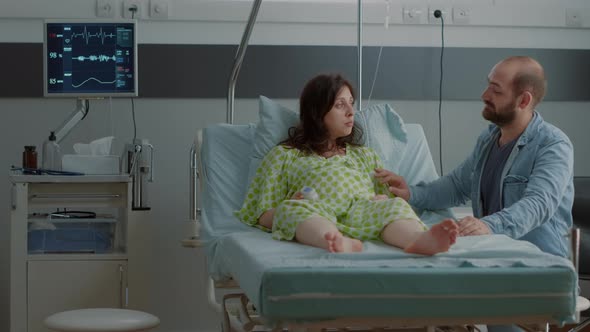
{"x":340,"y":243}
{"x":439,"y":238}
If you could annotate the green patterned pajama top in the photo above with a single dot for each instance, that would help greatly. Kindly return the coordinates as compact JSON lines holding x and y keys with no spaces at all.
{"x":344,"y":185}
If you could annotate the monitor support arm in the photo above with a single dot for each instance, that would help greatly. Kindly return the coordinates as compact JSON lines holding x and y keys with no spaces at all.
{"x":76,"y":116}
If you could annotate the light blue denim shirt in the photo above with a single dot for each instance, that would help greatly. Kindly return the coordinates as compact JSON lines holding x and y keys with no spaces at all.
{"x":537,"y":189}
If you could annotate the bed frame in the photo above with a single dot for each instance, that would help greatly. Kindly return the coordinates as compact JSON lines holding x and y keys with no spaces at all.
{"x":238,"y":314}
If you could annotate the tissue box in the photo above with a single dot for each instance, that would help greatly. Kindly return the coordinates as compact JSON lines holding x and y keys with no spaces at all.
{"x":89,"y":164}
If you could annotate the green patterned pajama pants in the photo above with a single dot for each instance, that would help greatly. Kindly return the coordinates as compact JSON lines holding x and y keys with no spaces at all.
{"x":363,"y":220}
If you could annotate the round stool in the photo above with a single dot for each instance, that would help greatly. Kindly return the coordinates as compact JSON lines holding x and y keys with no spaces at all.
{"x":101,"y":320}
{"x":582,"y":303}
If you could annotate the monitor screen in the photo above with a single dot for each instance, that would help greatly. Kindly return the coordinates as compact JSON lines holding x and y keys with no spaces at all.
{"x":90,"y":58}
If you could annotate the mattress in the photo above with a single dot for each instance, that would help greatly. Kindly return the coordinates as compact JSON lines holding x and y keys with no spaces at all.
{"x":481,"y":276}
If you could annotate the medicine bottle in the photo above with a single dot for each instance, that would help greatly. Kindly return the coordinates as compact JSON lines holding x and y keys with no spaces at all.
{"x":30,"y":157}
{"x":51,"y":154}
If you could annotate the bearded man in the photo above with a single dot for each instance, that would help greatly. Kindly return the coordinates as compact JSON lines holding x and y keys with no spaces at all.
{"x":519,"y":177}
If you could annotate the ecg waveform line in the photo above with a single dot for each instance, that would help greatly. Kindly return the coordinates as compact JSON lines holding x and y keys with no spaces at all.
{"x":93,"y":79}
{"x":86,"y":35}
{"x":99,"y":57}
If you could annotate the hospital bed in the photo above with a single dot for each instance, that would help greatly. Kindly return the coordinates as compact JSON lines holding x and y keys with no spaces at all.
{"x":282,"y":284}
{"x":481,"y":280}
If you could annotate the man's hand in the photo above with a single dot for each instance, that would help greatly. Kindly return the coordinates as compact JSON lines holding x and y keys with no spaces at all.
{"x":397,"y":184}
{"x":473,"y":226}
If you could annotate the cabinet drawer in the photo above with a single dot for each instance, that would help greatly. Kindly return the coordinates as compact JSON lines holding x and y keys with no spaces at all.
{"x":55,"y":286}
{"x":78,"y":194}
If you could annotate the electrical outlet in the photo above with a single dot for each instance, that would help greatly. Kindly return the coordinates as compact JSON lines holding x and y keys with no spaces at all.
{"x":573,"y":18}
{"x":159,"y":8}
{"x":105,"y":8}
{"x":412,"y":15}
{"x":436,"y":20}
{"x":128,"y":9}
{"x":461,"y":15}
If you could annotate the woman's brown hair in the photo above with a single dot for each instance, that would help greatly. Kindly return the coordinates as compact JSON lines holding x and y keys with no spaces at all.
{"x":316,"y":100}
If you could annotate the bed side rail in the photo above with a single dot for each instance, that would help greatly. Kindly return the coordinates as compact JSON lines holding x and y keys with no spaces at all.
{"x":196,"y":188}
{"x":582,"y":303}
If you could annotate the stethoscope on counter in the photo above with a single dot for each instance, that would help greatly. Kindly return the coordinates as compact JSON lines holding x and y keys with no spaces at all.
{"x":42,"y":171}
{"x":67,"y":214}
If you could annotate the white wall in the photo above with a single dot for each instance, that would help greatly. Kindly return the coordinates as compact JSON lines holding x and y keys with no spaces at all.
{"x":493,"y":23}
{"x":178,"y":294}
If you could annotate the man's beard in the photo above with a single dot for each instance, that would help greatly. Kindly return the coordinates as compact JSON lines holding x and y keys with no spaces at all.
{"x":499,"y":116}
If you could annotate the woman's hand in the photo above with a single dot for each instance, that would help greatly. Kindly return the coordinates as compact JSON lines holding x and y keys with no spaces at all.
{"x":379,"y":197}
{"x":397,"y":184}
{"x":266,"y":218}
{"x":297,"y":195}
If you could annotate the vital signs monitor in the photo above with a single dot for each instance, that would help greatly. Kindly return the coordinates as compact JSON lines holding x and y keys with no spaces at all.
{"x":90,"y":58}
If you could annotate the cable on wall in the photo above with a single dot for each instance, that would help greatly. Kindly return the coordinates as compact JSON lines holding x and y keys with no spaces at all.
{"x":134,"y":123}
{"x":374,"y":77}
{"x":111,"y":120}
{"x":438,"y":14}
{"x":386,"y":25}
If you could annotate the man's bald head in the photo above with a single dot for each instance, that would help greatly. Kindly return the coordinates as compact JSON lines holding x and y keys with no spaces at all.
{"x":528,"y":75}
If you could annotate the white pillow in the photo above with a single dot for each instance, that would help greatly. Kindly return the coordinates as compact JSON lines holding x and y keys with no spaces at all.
{"x":383,"y":130}
{"x":273,"y":126}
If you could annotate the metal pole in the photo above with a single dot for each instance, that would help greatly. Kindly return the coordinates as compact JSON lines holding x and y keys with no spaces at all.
{"x":195,"y":210}
{"x":360,"y":54}
{"x":238,"y":61}
{"x":194,"y":175}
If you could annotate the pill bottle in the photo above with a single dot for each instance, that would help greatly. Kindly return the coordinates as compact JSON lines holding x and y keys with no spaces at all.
{"x":30,"y":157}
